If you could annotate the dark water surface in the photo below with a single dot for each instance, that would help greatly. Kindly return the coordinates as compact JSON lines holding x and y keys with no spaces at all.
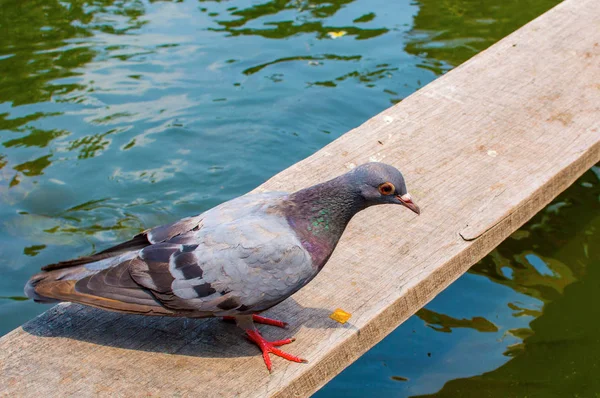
{"x":116,"y":116}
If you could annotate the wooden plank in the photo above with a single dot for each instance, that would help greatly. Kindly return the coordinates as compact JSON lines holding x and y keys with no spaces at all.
{"x":483,"y":149}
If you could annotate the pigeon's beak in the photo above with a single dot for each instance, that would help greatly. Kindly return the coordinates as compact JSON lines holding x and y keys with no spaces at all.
{"x":406,"y":201}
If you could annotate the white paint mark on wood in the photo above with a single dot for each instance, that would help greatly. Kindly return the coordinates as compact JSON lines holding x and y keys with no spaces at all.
{"x":378,"y":157}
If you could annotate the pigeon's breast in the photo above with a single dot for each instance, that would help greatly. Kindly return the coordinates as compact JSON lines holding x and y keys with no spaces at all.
{"x":318,"y":247}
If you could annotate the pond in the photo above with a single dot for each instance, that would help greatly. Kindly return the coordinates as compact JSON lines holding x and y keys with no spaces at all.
{"x":116,"y":116}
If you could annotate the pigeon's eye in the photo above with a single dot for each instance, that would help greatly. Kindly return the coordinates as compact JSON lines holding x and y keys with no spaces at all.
{"x":387,"y":188}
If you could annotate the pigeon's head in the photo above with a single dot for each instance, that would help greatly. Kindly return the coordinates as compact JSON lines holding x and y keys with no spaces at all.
{"x":379,"y":183}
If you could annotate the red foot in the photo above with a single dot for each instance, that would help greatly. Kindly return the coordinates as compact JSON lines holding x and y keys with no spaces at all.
{"x":261,"y":319}
{"x":270,"y":347}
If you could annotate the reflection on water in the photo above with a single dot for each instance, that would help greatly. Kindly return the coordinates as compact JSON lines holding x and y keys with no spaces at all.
{"x":114,"y":115}
{"x":43,"y":46}
{"x":452,"y":31}
{"x":444,"y":323}
{"x":313,"y":60}
{"x":308,"y":17}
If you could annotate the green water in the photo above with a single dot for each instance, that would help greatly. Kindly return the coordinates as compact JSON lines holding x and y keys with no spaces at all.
{"x":119,"y":115}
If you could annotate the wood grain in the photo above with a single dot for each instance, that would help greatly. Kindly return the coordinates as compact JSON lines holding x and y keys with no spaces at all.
{"x":483,"y":148}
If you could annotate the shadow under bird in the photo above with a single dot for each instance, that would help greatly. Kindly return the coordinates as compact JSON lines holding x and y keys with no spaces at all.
{"x":234,"y":260}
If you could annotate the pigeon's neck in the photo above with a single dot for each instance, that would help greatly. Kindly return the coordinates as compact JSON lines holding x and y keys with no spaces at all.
{"x":319,"y":215}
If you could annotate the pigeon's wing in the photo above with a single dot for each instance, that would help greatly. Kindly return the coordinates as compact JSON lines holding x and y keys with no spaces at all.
{"x":225,"y":212}
{"x":151,"y":236}
{"x":239,"y":267}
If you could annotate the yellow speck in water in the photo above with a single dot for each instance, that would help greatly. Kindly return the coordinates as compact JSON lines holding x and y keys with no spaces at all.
{"x":335,"y":35}
{"x":340,"y":316}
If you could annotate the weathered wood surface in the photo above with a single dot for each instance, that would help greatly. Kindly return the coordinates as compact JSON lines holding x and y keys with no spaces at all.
{"x":483,"y":149}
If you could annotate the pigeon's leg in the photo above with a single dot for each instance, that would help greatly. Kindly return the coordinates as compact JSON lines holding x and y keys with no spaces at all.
{"x":246,"y":323}
{"x":261,"y":320}
{"x":268,"y":321}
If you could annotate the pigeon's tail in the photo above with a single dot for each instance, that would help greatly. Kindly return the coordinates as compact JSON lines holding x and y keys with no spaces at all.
{"x":106,"y":284}
{"x":59,"y":282}
{"x":43,"y":279}
{"x":55,"y":285}
{"x":32,"y":294}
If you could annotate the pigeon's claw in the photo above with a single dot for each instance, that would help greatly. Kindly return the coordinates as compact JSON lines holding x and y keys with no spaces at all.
{"x":271,"y":347}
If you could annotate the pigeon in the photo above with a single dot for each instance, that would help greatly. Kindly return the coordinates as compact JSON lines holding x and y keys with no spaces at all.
{"x":234,"y":261}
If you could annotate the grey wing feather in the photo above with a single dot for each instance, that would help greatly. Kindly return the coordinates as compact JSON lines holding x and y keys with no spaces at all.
{"x":149,"y":237}
{"x":242,"y":259}
{"x":252,"y":264}
{"x":225,"y":212}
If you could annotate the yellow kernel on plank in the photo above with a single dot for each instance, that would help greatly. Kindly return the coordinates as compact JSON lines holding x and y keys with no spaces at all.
{"x":340,"y":316}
